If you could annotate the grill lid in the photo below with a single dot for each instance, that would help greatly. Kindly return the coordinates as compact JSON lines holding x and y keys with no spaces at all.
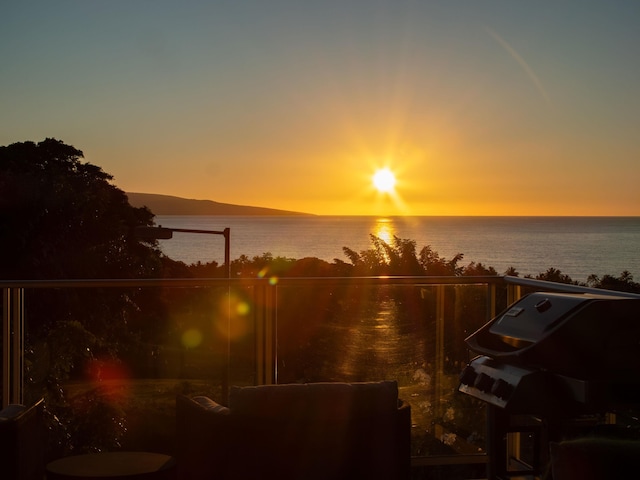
{"x":571,"y":334}
{"x":529,"y":320}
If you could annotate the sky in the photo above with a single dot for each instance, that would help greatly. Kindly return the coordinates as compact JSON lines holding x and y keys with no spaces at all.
{"x":478,"y":107}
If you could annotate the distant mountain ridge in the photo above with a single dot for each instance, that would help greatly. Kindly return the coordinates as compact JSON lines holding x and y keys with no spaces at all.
{"x":170,"y":205}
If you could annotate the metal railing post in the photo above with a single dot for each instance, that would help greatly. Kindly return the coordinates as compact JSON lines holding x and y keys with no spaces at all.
{"x":266,"y":350}
{"x":514,"y":292}
{"x":271,"y":335}
{"x":6,"y":346}
{"x":12,"y":345}
{"x":439,"y":353}
{"x":18,"y":346}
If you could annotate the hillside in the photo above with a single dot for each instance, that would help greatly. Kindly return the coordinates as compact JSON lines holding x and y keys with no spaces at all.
{"x":169,"y":205}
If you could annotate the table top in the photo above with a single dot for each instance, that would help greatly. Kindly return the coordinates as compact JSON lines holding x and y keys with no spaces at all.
{"x":110,"y":465}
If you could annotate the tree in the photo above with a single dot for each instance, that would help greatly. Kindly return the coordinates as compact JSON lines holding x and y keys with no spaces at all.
{"x":400,"y":258}
{"x":555,"y":275}
{"x":623,"y":283}
{"x":512,"y":272}
{"x":62,"y":218}
{"x":478,"y":269}
{"x":434,"y":264}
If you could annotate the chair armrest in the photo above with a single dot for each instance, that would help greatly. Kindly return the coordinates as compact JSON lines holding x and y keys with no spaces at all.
{"x":203,"y":428}
{"x":22,"y":442}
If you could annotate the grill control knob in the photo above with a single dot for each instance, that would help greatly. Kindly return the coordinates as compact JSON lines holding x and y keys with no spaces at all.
{"x":468,"y":375}
{"x":502,"y":389}
{"x":543,"y":305}
{"x":484,"y":383}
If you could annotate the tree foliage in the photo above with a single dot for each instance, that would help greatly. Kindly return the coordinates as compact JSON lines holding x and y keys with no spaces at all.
{"x":622,"y":283}
{"x":63,"y":218}
{"x":555,"y":275}
{"x":401,"y":257}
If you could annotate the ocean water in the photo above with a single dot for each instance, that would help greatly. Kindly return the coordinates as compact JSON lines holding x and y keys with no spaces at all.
{"x":577,"y":246}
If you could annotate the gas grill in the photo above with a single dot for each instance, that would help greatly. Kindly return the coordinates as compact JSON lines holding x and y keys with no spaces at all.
{"x":549,"y":361}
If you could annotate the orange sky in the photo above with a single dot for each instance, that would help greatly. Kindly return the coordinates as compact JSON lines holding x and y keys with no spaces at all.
{"x":476,"y":108}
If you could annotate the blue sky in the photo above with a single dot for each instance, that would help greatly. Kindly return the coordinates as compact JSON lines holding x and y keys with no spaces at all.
{"x":478,"y":107}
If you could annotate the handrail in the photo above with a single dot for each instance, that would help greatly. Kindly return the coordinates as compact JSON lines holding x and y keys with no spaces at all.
{"x":565,"y":287}
{"x":204,"y":282}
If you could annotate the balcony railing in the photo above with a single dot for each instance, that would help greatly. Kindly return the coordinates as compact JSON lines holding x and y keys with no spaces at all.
{"x":219,"y":332}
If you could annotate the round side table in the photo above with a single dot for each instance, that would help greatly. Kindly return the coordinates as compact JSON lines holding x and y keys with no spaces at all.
{"x":113,"y":466}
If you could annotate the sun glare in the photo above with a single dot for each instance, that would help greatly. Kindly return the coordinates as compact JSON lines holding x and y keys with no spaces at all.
{"x":384,"y":180}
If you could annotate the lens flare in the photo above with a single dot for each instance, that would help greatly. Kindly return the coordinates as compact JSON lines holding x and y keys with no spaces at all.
{"x":192,"y":338}
{"x":243,"y":308}
{"x":111,"y":377}
{"x":232,"y":318}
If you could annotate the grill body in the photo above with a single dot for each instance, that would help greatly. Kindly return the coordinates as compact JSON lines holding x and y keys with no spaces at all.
{"x":549,"y":362}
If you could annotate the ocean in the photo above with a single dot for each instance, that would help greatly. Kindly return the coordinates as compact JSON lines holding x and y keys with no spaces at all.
{"x":577,"y":246}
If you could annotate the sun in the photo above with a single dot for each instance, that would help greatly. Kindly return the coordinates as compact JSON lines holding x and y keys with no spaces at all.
{"x":384,"y":180}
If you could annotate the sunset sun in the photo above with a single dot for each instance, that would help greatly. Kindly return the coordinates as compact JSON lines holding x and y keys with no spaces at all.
{"x":384,"y":180}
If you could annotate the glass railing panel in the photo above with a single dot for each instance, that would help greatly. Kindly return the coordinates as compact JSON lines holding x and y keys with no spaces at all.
{"x":410,"y":333}
{"x":111,"y":358}
{"x":110,"y":361}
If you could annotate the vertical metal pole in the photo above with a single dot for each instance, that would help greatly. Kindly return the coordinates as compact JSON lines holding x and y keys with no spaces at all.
{"x":271,"y":336}
{"x":226,"y":374}
{"x":18,"y":346}
{"x":440,"y":354}
{"x":514,"y":293}
{"x":12,"y":345}
{"x":227,"y":251}
{"x":496,"y":442}
{"x":6,"y":347}
{"x":266,"y":356}
{"x":259,"y":332}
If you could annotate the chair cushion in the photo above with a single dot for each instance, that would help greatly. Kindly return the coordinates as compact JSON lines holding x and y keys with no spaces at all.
{"x":338,"y":400}
{"x":340,"y":431}
{"x":205,"y":434}
{"x":313,"y":431}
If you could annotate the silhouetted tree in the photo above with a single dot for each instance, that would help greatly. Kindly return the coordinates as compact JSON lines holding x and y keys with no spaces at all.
{"x":62,"y":218}
{"x":512,"y":272}
{"x":371,"y":261}
{"x":555,"y":275}
{"x":400,"y":258}
{"x":623,"y":283}
{"x":434,"y":264}
{"x":478,"y":269}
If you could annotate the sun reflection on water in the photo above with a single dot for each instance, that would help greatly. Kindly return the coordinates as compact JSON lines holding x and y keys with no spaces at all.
{"x":385,"y":229}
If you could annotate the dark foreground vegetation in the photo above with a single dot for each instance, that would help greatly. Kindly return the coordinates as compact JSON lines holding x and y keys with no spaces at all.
{"x":62,"y":218}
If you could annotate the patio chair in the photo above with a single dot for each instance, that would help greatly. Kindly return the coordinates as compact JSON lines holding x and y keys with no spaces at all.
{"x":22,"y":442}
{"x":341,"y":431}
